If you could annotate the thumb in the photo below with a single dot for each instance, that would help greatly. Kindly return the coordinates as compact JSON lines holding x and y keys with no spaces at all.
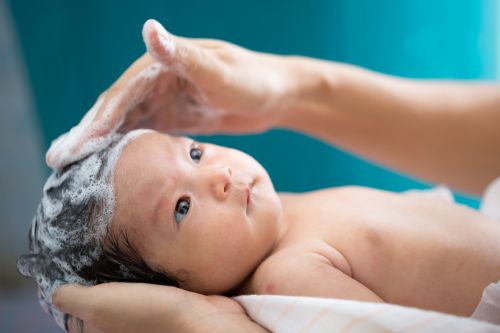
{"x":73,"y":299}
{"x":179,"y":54}
{"x":160,"y":44}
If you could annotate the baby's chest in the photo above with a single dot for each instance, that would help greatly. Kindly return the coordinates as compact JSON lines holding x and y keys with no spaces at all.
{"x":369,"y":231}
{"x":380,"y":234}
{"x":353,"y":218}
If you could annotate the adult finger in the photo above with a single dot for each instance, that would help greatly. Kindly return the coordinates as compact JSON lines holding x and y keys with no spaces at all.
{"x":76,"y":325}
{"x":106,"y":116}
{"x":131,"y":89}
{"x":185,"y":58}
{"x":77,"y":301}
{"x":81,"y":141}
{"x":74,"y":300}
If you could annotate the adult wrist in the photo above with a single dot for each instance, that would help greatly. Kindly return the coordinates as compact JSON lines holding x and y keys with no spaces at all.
{"x":310,"y":92}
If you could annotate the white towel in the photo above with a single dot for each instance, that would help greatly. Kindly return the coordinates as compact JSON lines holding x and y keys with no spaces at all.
{"x":489,"y":306}
{"x":293,"y":314}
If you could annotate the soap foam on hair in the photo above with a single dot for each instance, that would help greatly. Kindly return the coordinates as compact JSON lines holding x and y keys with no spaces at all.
{"x":62,"y":239}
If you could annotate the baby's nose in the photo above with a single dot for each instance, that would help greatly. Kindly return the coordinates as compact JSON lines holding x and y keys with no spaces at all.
{"x":220,"y":179}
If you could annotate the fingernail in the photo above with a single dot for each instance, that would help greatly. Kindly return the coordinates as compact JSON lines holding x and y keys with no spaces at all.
{"x":164,"y":38}
{"x":155,"y":25}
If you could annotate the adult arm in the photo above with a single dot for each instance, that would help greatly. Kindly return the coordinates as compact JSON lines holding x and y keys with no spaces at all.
{"x":139,"y":307}
{"x":182,"y":85}
{"x":444,"y":132}
{"x":441,"y":131}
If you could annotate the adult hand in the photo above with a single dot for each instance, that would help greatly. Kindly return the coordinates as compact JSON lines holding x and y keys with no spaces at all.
{"x":184,"y":85}
{"x":139,"y":307}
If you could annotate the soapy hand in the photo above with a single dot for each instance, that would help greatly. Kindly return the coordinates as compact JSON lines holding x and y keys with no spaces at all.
{"x":139,"y":307}
{"x":183,"y":85}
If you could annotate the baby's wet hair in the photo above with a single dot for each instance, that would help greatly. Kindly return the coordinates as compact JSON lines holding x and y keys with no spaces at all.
{"x":70,"y":239}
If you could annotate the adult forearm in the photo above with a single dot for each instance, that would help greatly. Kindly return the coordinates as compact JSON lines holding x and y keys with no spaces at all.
{"x":444,"y":132}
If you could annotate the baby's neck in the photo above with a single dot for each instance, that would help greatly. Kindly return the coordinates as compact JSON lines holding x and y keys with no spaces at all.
{"x":286,"y":220}
{"x":284,"y":224}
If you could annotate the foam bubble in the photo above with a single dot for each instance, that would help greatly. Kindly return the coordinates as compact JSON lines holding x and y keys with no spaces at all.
{"x":66,"y":235}
{"x":91,"y":135}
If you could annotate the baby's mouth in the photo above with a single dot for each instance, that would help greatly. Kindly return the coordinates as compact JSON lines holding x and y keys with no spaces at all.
{"x":249,"y":194}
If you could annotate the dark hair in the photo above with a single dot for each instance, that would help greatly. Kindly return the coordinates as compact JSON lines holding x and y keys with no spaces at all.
{"x":70,"y":239}
{"x":118,"y":252}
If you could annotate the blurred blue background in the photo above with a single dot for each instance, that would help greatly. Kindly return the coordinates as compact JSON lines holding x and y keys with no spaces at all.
{"x":57,"y":56}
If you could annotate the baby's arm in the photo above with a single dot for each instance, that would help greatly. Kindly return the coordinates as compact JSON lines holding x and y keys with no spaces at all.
{"x":309,"y":274}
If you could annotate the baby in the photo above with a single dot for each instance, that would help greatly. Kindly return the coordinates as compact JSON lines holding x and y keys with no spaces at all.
{"x":162,"y":209}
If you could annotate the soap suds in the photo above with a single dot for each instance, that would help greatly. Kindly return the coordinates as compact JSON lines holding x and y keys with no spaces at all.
{"x":65,"y":235}
{"x":92,"y":135}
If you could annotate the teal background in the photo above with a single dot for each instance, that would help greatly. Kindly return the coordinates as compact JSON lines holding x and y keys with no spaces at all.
{"x":75,"y":49}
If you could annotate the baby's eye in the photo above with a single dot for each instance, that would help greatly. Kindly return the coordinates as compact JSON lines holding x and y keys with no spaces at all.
{"x":181,"y":209}
{"x":195,"y":153}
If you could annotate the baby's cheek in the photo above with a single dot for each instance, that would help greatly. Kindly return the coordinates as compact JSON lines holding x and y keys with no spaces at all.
{"x":229,"y":220}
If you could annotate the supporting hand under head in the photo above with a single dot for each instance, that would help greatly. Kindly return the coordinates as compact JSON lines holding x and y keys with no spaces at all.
{"x":139,"y":307}
{"x":197,"y":86}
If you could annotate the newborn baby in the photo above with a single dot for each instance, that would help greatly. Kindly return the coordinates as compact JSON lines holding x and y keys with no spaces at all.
{"x":206,"y":218}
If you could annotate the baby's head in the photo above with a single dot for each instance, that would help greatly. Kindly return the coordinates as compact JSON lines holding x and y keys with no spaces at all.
{"x":153,"y":208}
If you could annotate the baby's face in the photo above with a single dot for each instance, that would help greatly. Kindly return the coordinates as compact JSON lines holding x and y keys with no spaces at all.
{"x":198,"y":208}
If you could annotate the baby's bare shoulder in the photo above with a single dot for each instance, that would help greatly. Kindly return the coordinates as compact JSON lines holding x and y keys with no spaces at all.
{"x":298,"y":259}
{"x":307,"y":273}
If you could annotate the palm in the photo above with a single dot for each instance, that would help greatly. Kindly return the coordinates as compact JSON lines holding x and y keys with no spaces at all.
{"x":135,"y":307}
{"x":215,"y":103}
{"x":199,"y":87}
